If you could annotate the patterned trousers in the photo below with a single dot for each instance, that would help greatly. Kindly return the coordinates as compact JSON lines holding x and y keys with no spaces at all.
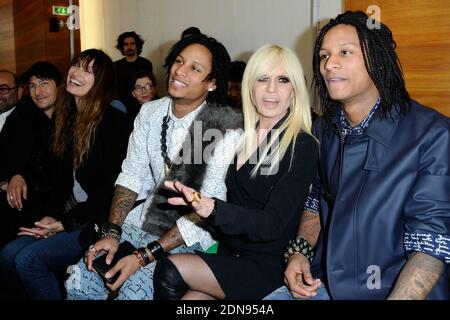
{"x":85,"y":285}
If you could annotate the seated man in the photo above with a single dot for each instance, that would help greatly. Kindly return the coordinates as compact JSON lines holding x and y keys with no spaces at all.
{"x":24,"y":145}
{"x":159,"y":150}
{"x":383,"y":231}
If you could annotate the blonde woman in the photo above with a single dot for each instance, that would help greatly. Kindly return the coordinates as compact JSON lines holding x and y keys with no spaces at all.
{"x":267,"y":185}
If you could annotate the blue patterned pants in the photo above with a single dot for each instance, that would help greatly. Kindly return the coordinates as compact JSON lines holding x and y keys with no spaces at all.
{"x":85,"y":285}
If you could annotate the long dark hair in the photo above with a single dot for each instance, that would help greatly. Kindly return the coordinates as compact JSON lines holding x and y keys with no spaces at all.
{"x":220,"y":66}
{"x":380,"y":59}
{"x":75,"y":126}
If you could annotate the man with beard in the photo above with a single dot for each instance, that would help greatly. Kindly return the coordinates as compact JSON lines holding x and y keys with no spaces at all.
{"x":10,"y":94}
{"x":130,"y":45}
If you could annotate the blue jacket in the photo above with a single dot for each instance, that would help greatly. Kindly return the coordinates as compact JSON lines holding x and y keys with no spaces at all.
{"x":376,"y":190}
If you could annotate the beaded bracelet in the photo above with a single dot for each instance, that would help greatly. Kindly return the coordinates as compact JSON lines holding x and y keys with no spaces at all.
{"x":301,"y":246}
{"x":112,"y":235}
{"x":112,"y":227}
{"x":112,"y":230}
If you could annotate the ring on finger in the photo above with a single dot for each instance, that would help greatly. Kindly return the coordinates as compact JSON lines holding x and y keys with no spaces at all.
{"x":196,"y":197}
{"x":92,"y":248}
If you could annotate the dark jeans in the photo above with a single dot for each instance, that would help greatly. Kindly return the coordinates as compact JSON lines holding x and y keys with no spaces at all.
{"x":33,"y":267}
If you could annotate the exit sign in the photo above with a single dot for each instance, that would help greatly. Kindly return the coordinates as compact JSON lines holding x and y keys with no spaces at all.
{"x":60,"y":11}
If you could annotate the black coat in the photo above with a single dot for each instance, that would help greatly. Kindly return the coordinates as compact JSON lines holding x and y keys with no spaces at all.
{"x":24,"y":148}
{"x":96,"y":176}
{"x":260,"y":217}
{"x":17,"y":140}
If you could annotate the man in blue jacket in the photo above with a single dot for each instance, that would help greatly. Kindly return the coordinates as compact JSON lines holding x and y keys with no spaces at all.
{"x":383,"y":194}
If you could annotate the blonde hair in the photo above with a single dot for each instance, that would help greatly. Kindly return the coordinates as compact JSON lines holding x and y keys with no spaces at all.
{"x":298,"y":118}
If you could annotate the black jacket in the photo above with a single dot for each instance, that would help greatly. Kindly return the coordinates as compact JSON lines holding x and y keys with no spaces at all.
{"x":96,"y":176}
{"x":17,"y":140}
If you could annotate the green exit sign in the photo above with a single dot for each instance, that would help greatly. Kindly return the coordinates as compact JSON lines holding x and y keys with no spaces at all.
{"x":60,"y":11}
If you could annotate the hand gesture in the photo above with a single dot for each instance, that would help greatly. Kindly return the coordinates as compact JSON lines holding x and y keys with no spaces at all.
{"x":45,"y":228}
{"x":16,"y":191}
{"x":202,"y":205}
{"x":298,"y":277}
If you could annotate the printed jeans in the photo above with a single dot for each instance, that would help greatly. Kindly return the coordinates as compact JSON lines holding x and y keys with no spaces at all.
{"x":85,"y":285}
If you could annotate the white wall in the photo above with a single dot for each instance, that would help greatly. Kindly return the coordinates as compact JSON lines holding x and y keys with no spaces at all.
{"x":241,"y":25}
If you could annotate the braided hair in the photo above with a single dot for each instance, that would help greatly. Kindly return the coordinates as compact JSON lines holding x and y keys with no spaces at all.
{"x":220,"y":65}
{"x":380,"y":59}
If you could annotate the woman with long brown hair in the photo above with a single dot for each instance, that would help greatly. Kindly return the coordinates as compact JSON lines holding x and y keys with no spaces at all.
{"x":89,"y":144}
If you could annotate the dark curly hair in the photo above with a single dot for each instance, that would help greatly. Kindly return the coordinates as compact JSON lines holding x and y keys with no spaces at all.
{"x":220,"y":65}
{"x":137,"y":38}
{"x":380,"y":59}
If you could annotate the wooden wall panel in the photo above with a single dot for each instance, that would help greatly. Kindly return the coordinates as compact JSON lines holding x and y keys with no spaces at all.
{"x":29,"y":33}
{"x":7,"y":50}
{"x":421,"y":29}
{"x":33,"y":39}
{"x":58,"y":43}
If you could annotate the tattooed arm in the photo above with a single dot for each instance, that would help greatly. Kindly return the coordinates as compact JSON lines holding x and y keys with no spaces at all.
{"x":309,"y":227}
{"x":170,"y":240}
{"x":122,"y":203}
{"x":417,"y":278}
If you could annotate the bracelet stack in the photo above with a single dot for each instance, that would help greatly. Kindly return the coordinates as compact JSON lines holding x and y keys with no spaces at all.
{"x":301,"y":246}
{"x":112,"y":230}
{"x":142,"y":256}
{"x":155,"y":249}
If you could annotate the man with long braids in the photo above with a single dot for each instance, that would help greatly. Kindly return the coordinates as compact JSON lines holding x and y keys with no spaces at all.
{"x":159,"y":150}
{"x":384,"y":191}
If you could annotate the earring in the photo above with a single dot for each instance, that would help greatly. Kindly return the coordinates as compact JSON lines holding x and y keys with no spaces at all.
{"x":210,"y":89}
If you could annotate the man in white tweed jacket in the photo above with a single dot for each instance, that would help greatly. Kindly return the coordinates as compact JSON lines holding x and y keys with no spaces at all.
{"x":197,"y":68}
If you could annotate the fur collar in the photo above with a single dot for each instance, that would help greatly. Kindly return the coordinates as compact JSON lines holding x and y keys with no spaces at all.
{"x":161,"y":216}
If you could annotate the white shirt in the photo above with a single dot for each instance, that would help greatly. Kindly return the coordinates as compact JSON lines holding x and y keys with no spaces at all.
{"x":143,"y":168}
{"x":3,"y":117}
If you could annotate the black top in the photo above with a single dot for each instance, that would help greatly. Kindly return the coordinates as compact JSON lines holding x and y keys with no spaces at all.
{"x":96,"y":176}
{"x":25,"y":150}
{"x":17,"y":139}
{"x":260,"y":217}
{"x":125,"y":71}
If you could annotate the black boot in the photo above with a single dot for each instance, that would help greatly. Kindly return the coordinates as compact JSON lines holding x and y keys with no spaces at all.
{"x":167,"y":281}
